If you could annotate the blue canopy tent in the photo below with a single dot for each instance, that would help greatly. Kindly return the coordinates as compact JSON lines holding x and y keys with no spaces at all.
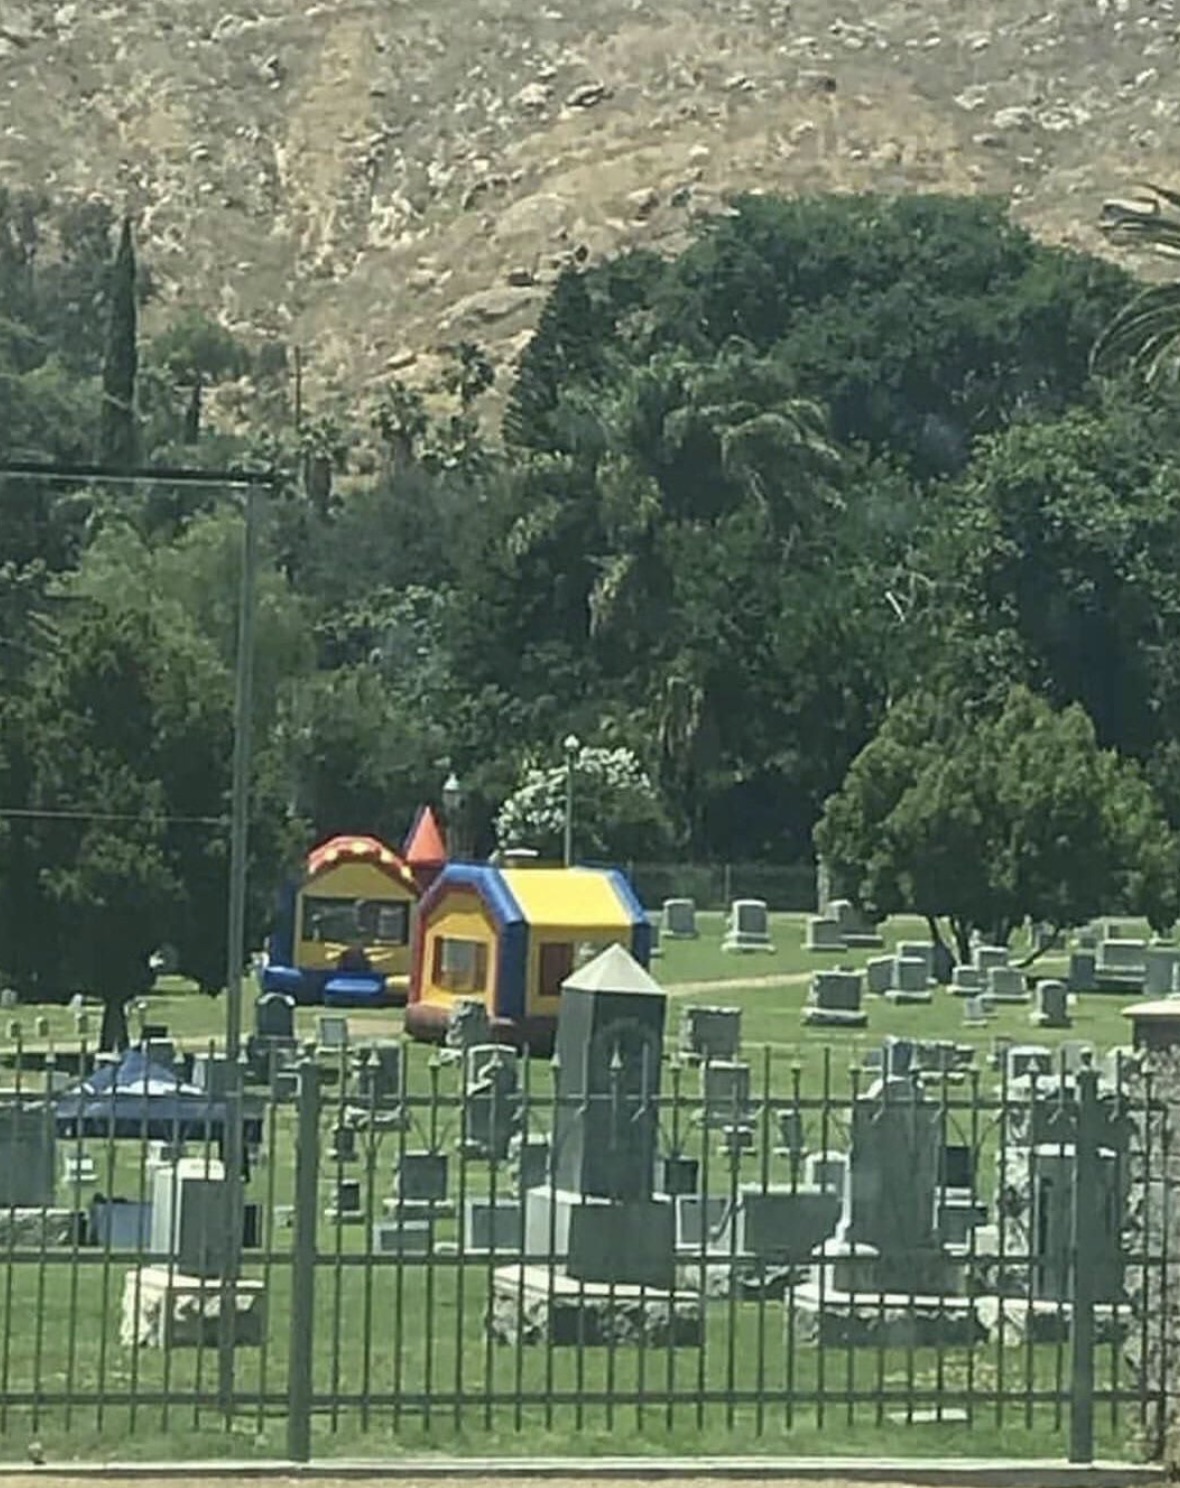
{"x":138,"y":1099}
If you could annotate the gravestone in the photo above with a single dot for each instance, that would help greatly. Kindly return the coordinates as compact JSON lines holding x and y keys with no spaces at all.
{"x":783,"y":1225}
{"x":1161,"y":965}
{"x":491,"y":1100}
{"x":600,"y":1241}
{"x":346,"y":1205}
{"x":678,"y":1174}
{"x":1027,"y":1062}
{"x":1052,"y":1008}
{"x":78,"y":1169}
{"x":343,"y":1150}
{"x":272,"y":1044}
{"x":827,"y":1171}
{"x":274,"y":1016}
{"x":701,"y":1224}
{"x":967,"y":981}
{"x":791,"y":1137}
{"x":748,"y":928}
{"x":332,"y":1032}
{"x":403,"y":1235}
{"x":725,"y":1093}
{"x":911,"y":980}
{"x":379,"y":1075}
{"x":710,"y":1033}
{"x":528,"y":1158}
{"x":27,"y":1155}
{"x":823,"y":934}
{"x":988,"y":957}
{"x":855,"y":930}
{"x":1053,"y":1174}
{"x":1120,"y":964}
{"x":1005,"y":984}
{"x":835,"y":1000}
{"x":493,"y":1226}
{"x":921,"y":950}
{"x":9,"y":999}
{"x":1083,"y":970}
{"x":600,"y":1210}
{"x":887,"y":1240}
{"x":468,"y":1025}
{"x":212,"y":1074}
{"x":957,"y":1168}
{"x":421,"y":1179}
{"x":190,"y":1212}
{"x":975,"y":1013}
{"x":680,"y":919}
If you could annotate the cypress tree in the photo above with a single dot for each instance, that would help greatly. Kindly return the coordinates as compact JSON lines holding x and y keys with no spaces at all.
{"x":118,"y":435}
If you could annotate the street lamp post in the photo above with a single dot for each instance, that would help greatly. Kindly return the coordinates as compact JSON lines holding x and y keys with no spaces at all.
{"x":571,"y":744}
{"x":452,"y":796}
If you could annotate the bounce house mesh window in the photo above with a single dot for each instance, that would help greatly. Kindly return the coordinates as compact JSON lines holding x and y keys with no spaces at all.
{"x":373,"y":921}
{"x":557,"y":961}
{"x":460,"y":965}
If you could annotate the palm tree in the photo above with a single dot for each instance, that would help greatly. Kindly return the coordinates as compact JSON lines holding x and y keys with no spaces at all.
{"x":1146,"y":334}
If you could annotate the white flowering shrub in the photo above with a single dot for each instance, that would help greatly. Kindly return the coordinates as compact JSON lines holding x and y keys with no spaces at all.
{"x":617,"y":815}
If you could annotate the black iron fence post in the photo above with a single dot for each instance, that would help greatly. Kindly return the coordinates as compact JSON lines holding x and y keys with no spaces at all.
{"x":303,"y":1265}
{"x":1086,"y":1186}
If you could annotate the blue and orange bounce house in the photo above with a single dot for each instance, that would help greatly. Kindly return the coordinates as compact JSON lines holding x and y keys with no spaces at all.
{"x":343,"y":931}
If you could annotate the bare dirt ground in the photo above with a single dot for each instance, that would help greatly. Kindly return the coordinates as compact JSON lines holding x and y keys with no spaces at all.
{"x":375,"y":179}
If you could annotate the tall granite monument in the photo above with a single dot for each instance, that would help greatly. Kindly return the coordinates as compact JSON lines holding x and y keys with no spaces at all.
{"x":599,"y":1214}
{"x":600,"y":1251}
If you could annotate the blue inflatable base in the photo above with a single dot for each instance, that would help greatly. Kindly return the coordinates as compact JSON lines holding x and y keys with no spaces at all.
{"x":354,"y":991}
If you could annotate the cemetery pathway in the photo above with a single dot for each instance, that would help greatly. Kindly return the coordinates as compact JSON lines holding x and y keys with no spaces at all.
{"x":731,"y":984}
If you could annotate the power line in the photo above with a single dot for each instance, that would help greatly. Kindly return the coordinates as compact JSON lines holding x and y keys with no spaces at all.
{"x":35,"y":814}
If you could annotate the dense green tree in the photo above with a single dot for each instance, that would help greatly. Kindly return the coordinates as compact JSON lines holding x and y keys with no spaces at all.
{"x":984,"y":814}
{"x":1055,"y":560}
{"x":193,"y":353}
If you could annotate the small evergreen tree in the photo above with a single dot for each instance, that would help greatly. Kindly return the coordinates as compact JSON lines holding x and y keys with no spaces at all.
{"x":118,"y":434}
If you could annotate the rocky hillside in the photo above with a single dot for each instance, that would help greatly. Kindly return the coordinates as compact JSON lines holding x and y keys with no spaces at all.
{"x":374,"y":178}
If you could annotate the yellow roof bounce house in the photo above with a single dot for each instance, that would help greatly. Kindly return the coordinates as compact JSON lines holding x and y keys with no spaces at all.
{"x":509,"y":937}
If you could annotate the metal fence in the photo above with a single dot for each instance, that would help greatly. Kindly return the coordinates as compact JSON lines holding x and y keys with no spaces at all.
{"x":714,"y":886}
{"x":944,"y":1259}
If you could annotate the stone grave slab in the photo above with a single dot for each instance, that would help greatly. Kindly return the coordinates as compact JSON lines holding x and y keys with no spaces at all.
{"x":533,"y":1305}
{"x":1006,"y":985}
{"x":1051,"y":1009}
{"x":834,"y":1000}
{"x":911,"y":980}
{"x":878,"y":975}
{"x":164,"y":1308}
{"x":710,"y":1033}
{"x":493,"y":1227}
{"x":28,"y":1154}
{"x":748,"y":927}
{"x":823,"y":935}
{"x":680,"y":919}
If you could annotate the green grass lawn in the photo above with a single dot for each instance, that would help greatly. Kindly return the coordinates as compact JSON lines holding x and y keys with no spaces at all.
{"x":771,"y":1015}
{"x":404,"y":1349}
